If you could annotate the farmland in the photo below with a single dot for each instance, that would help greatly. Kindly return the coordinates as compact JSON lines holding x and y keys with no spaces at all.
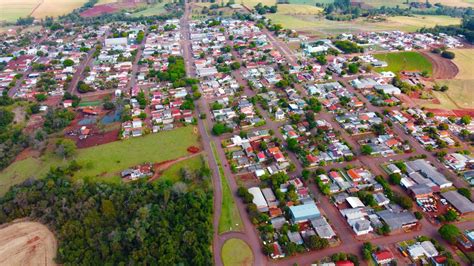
{"x":409,"y":61}
{"x":14,"y":9}
{"x":321,"y":27}
{"x":27,"y":243}
{"x":105,"y":161}
{"x":236,"y":252}
{"x":460,"y":94}
{"x":464,"y":61}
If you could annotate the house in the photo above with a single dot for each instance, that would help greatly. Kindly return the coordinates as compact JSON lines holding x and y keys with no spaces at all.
{"x":362,"y":227}
{"x":397,"y":220}
{"x":462,"y":204}
{"x":322,"y":228}
{"x":304,"y":212}
{"x":381,"y":199}
{"x":439,"y":260}
{"x":423,"y":249}
{"x":258,"y":199}
{"x":383,"y":257}
{"x":295,"y":237}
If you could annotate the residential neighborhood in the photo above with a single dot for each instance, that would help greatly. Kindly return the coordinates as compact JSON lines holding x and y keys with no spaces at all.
{"x":307,"y":150}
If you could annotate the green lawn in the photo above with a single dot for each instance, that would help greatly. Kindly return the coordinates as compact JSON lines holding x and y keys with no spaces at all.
{"x":408,"y":61}
{"x":230,"y":219}
{"x":104,"y":162}
{"x":236,"y":252}
{"x":173,"y":172}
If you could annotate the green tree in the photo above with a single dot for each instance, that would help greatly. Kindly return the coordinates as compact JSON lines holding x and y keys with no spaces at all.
{"x":65,"y":148}
{"x":466,"y":192}
{"x":366,"y":149}
{"x":449,"y":232}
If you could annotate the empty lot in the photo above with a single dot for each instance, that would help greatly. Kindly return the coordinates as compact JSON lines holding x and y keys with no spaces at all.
{"x":27,"y":243}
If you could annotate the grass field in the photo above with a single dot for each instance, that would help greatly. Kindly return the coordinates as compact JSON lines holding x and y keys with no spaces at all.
{"x":230,"y":219}
{"x":103,"y":2}
{"x":410,"y":61}
{"x":105,"y":161}
{"x":173,"y":172}
{"x":321,"y":27}
{"x":461,"y":89}
{"x":236,"y":252}
{"x":292,"y":9}
{"x":151,"y":10}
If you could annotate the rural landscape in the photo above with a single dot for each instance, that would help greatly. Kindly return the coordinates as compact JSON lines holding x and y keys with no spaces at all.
{"x":223,"y":132}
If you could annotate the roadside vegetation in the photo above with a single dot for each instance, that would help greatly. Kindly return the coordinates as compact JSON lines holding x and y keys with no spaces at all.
{"x":230,"y":219}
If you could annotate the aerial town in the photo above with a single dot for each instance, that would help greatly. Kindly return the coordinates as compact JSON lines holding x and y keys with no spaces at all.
{"x":224,"y":133}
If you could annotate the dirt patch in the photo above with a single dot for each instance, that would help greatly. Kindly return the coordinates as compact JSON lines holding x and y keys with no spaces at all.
{"x":448,"y":113}
{"x":96,"y":138}
{"x":442,"y":68}
{"x":27,"y":153}
{"x":27,"y":243}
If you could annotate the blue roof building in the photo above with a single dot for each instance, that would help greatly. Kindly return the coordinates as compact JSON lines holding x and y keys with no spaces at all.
{"x":304,"y":212}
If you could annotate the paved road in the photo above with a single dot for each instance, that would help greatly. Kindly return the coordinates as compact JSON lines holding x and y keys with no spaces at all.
{"x":82,"y":66}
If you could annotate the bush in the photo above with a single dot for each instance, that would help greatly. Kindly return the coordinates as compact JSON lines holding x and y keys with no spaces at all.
{"x":219,"y":129}
{"x":448,"y":55}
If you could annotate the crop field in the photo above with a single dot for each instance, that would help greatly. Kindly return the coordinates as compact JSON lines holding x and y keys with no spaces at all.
{"x":236,"y":252}
{"x":460,"y":94}
{"x":410,"y":61}
{"x":464,"y":60}
{"x":56,"y":8}
{"x":105,"y":161}
{"x":320,"y":27}
{"x":11,"y":10}
{"x":27,"y":243}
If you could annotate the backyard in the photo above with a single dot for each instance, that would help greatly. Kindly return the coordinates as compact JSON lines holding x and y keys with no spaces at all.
{"x":104,"y":162}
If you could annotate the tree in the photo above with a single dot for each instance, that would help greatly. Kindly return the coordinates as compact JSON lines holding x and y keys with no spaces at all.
{"x":466,"y":119}
{"x":41,"y":97}
{"x":317,"y":243}
{"x":68,"y":63}
{"x":6,"y":117}
{"x":367,"y":249}
{"x":418,"y":215}
{"x":353,"y":68}
{"x":450,"y":216}
{"x":395,"y":178}
{"x":449,"y":232}
{"x":220,"y":128}
{"x":448,"y":54}
{"x":65,"y":148}
{"x":366,"y":149}
{"x":466,"y":192}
